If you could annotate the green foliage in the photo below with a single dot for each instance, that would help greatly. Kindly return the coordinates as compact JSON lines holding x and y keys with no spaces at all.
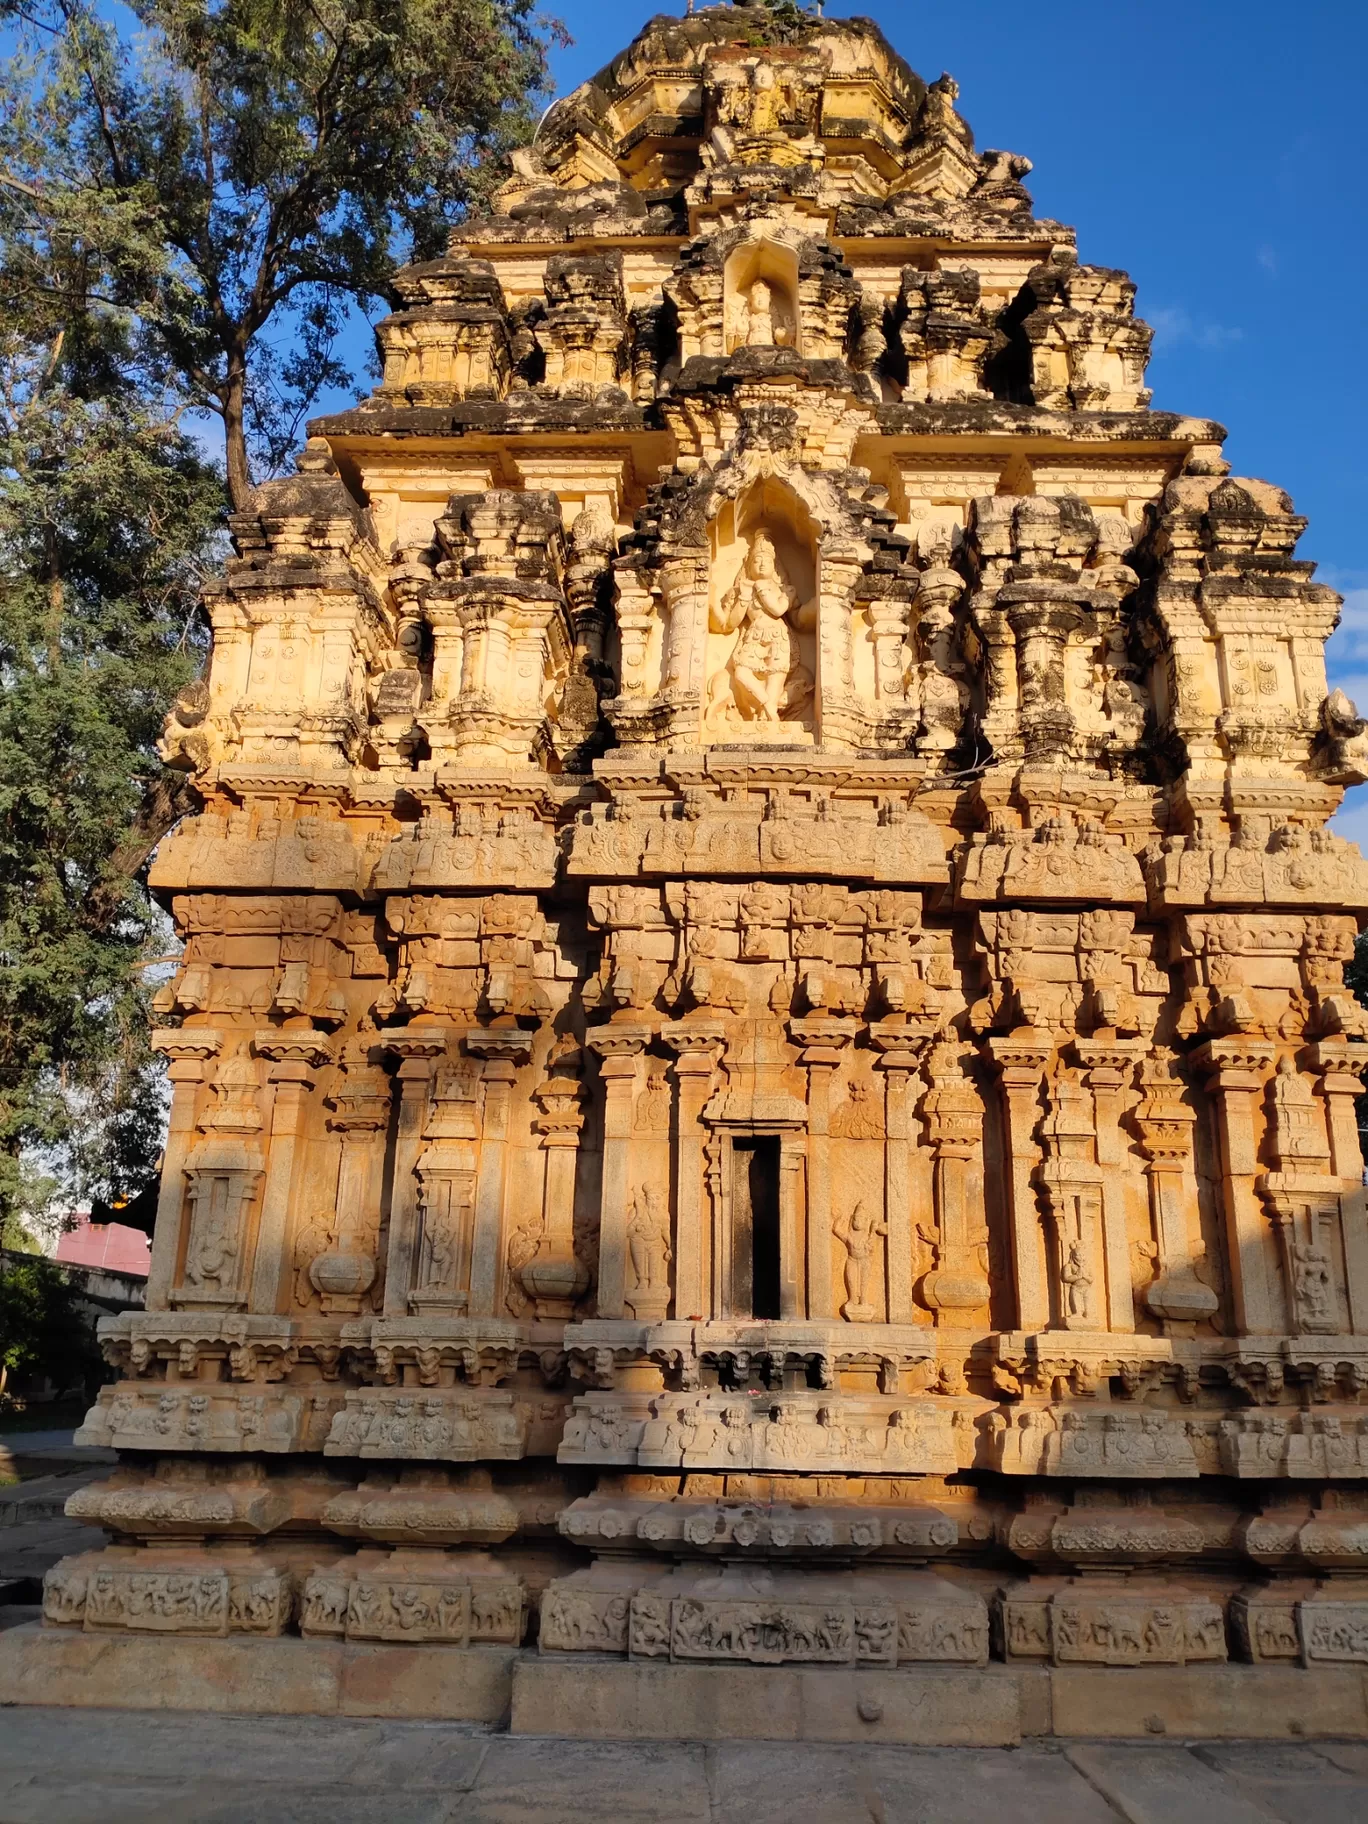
{"x":266,"y":162}
{"x":776,"y":21}
{"x":44,"y":1330}
{"x":192,"y":194}
{"x":109,"y":517}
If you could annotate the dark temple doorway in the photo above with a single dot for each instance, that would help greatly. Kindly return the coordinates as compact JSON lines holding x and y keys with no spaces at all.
{"x":755,"y":1227}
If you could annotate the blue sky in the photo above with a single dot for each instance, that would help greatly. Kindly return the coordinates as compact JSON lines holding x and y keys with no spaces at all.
{"x":1216,"y":150}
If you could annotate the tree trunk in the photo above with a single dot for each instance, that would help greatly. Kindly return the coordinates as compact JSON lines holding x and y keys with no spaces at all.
{"x":235,"y":432}
{"x":166,"y":801}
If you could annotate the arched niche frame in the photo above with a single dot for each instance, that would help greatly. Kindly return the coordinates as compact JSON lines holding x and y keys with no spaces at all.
{"x":810,"y":291}
{"x":760,"y":306}
{"x":815,"y":530}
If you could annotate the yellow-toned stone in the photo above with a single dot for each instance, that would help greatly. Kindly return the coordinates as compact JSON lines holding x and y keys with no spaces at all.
{"x":763,"y":940}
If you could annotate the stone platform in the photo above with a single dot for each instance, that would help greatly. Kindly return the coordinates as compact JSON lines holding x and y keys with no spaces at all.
{"x":601,"y":1698}
{"x":119,"y":1767}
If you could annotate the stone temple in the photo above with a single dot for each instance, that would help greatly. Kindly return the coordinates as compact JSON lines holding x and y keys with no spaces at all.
{"x":762,"y":1075}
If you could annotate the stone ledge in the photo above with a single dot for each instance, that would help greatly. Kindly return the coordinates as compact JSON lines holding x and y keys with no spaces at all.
{"x":933,"y":1707}
{"x":629,"y":1700}
{"x":284,"y":1677}
{"x":586,"y":1697}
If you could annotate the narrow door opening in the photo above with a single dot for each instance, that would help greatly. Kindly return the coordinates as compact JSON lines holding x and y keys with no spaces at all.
{"x":755,"y":1226}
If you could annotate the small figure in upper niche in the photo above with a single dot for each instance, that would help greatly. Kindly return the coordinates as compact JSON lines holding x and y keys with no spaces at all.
{"x":760,"y":317}
{"x":765,"y":679}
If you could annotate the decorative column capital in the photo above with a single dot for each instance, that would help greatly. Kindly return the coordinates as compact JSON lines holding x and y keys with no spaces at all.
{"x":500,"y":1044}
{"x":188,"y":1051}
{"x":823,"y":1039}
{"x":1022,"y":1057}
{"x":294,"y":1056}
{"x":1235,"y":1063}
{"x":612,"y":1042}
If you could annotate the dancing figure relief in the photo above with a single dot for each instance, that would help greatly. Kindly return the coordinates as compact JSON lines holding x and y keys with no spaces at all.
{"x":763,"y":679}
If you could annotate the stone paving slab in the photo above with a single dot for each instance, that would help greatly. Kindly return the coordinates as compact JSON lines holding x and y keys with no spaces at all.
{"x":126,"y":1767}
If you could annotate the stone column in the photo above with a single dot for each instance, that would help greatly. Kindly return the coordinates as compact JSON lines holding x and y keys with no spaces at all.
{"x":554,"y":1278}
{"x":901,"y":1048}
{"x":344,"y":1271}
{"x":684,"y":591}
{"x":1021,"y":1059}
{"x":1237,"y":1068}
{"x":189,"y":1050}
{"x":697,"y":1046}
{"x":503,"y":1049}
{"x":1108,"y":1066}
{"x":954,"y":1121}
{"x":618,"y":1048}
{"x":822,"y":1042}
{"x":295,"y":1059}
{"x":1340,"y":1066}
{"x":791,"y":1156}
{"x":1177,"y":1297}
{"x":418,"y":1049}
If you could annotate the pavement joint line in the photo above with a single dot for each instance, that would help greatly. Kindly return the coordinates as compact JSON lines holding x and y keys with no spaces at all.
{"x":1107,"y":1798}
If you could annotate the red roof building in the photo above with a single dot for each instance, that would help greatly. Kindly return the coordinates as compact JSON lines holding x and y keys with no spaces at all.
{"x":110,"y":1245}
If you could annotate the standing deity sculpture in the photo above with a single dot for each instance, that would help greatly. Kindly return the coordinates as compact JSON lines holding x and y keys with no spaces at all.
{"x":764,"y":678}
{"x":648,"y":1246}
{"x":859,"y":1232}
{"x":1077,"y":1281}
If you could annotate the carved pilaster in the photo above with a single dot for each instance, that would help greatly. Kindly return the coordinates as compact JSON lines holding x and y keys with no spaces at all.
{"x":503,"y":1049}
{"x":417,"y":1048}
{"x":1165,"y":1122}
{"x":1109,"y":1065}
{"x":295,"y":1059}
{"x":1236,"y":1069}
{"x":957,"y":1285}
{"x":619,"y":1049}
{"x":1340,"y":1065}
{"x":697,"y":1046}
{"x":554,"y":1278}
{"x":901,"y":1048}
{"x":188,"y":1051}
{"x":1021,"y":1059}
{"x":822,"y":1043}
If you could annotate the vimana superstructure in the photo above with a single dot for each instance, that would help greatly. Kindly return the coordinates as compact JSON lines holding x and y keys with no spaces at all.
{"x":761,"y":1068}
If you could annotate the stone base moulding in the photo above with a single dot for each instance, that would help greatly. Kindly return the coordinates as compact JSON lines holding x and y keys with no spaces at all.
{"x":591,"y":1697}
{"x":243,"y":1676}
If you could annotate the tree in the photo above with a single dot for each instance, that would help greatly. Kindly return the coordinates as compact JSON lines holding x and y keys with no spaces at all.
{"x":188,"y":209}
{"x":280,"y":157}
{"x":109,"y":517}
{"x":44,"y":1330}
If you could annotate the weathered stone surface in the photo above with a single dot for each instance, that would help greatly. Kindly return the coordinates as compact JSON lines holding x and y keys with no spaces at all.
{"x":763,"y":997}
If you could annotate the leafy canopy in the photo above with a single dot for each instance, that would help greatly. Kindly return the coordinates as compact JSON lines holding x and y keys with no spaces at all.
{"x":279,"y":157}
{"x":109,"y":517}
{"x":193,"y":194}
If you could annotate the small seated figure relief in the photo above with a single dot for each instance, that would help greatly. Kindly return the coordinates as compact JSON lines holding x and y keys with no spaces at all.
{"x":764,"y":678}
{"x":859,"y":1233}
{"x":760,"y":318}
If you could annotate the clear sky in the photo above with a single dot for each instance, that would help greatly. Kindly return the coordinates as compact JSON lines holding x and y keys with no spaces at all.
{"x":1218,"y":151}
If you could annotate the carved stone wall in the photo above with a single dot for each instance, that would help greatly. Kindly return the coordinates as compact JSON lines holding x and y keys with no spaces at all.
{"x":761,"y":1068}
